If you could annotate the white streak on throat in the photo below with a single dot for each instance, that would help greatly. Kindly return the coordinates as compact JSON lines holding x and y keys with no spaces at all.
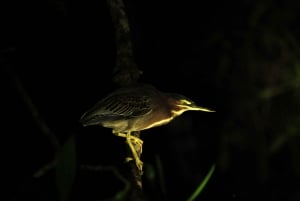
{"x":159,"y":123}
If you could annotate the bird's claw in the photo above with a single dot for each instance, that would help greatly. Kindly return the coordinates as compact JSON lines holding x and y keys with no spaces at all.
{"x":135,"y":144}
{"x":139,"y":165}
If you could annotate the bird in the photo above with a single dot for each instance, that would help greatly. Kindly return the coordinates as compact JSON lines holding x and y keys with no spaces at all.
{"x":137,"y":108}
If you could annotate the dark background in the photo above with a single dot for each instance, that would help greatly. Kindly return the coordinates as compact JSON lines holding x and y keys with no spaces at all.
{"x":240,"y":58}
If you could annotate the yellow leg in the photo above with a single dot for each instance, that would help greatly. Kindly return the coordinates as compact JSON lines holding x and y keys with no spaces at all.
{"x":136,"y":140}
{"x":136,"y":157}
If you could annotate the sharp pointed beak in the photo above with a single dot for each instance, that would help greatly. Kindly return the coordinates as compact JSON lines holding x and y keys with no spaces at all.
{"x":198,"y":108}
{"x":184,"y":108}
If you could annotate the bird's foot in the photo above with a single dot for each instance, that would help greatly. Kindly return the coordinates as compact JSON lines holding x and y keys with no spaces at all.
{"x":138,"y":163}
{"x":134,"y":139}
{"x":135,"y":144}
{"x":138,"y":144}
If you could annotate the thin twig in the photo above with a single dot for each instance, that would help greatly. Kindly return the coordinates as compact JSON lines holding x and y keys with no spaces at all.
{"x":121,"y":194}
{"x":42,"y":125}
{"x":46,"y":168}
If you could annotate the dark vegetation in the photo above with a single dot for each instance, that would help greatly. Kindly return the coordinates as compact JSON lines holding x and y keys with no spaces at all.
{"x":241,"y":58}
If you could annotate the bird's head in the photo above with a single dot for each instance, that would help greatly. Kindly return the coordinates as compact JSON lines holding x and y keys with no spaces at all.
{"x":180,"y":104}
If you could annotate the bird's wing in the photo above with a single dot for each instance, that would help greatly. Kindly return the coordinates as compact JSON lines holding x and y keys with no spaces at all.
{"x":125,"y":106}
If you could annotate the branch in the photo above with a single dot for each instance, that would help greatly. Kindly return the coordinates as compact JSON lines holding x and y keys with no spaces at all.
{"x":42,"y":125}
{"x":122,"y":193}
{"x":126,"y":73}
{"x":136,"y":174}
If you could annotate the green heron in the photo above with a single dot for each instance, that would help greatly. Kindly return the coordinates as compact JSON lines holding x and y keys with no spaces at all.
{"x":137,"y":108}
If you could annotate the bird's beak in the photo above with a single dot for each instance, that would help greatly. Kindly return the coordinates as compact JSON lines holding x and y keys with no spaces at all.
{"x":198,"y":108}
{"x":188,"y":105}
{"x":193,"y":108}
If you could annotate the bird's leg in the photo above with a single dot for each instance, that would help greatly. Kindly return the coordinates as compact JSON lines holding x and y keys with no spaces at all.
{"x":136,"y":149}
{"x":136,"y":140}
{"x":138,"y":143}
{"x":133,"y":149}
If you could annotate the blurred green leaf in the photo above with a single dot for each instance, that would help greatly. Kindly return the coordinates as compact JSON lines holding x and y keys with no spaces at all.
{"x":203,"y":183}
{"x":66,"y":169}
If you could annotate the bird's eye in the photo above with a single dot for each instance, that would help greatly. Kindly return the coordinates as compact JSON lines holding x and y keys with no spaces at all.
{"x":186,"y":102}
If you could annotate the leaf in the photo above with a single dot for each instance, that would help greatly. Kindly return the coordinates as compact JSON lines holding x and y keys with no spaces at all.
{"x":203,"y":183}
{"x":66,"y":169}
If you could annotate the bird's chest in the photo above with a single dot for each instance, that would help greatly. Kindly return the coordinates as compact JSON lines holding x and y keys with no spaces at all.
{"x":157,"y":118}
